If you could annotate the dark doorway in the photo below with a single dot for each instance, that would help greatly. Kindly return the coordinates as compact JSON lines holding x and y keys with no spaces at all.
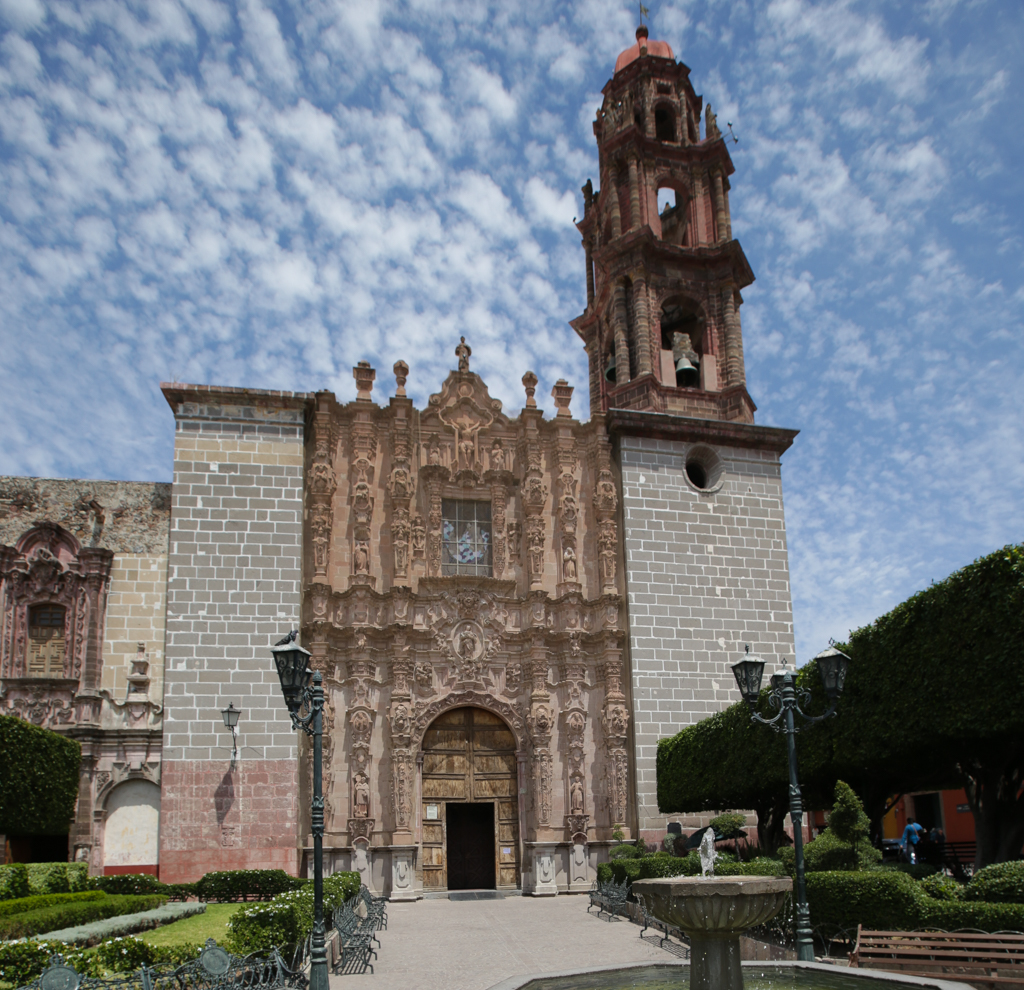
{"x":470,"y":851}
{"x":928,"y":811}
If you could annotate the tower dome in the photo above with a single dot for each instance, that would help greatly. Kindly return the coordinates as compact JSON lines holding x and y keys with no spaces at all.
{"x":658,"y":49}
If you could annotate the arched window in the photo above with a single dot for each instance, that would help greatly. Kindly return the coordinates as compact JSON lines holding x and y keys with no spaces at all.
{"x":664,"y":124}
{"x":46,"y":646}
{"x":682,"y":339}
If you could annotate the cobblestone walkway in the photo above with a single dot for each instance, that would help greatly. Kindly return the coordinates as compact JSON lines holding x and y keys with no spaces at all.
{"x":472,"y":945}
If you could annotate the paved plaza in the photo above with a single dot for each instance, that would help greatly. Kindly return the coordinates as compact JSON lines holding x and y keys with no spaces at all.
{"x":473,"y":945}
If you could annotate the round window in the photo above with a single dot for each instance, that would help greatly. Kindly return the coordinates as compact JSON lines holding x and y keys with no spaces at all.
{"x":704,"y":469}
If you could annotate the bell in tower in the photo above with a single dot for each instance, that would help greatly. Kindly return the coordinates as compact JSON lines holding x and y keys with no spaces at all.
{"x":662,"y":323}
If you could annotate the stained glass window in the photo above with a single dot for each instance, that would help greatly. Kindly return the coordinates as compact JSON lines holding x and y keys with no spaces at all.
{"x":465,"y":537}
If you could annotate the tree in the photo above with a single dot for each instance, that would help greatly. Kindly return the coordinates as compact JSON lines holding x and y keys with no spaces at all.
{"x":848,"y":820}
{"x":38,"y":779}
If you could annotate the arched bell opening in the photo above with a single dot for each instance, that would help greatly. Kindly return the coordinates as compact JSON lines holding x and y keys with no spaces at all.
{"x":682,"y":341}
{"x":665,"y":123}
{"x":673,"y":215}
{"x":470,"y":791}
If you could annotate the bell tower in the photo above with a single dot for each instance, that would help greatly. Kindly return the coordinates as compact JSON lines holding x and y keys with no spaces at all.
{"x":704,"y":533}
{"x":662,"y":323}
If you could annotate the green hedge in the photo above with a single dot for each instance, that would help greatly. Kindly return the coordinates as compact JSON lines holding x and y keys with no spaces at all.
{"x":144,"y":883}
{"x":997,"y":884}
{"x":68,"y":915}
{"x":19,"y":905}
{"x":663,"y":865}
{"x":246,"y":885}
{"x":288,"y":918}
{"x":14,"y":881}
{"x":58,"y":878}
{"x":39,"y":772}
{"x":828,"y":853}
{"x":942,"y":888}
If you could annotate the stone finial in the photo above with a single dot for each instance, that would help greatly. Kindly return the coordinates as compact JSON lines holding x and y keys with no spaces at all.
{"x":462,"y":352}
{"x":530,"y":383}
{"x":364,"y":376}
{"x":561,"y":392}
{"x":401,"y":374}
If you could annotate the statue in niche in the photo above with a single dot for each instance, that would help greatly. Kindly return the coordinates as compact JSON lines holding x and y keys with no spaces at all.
{"x":361,"y":797}
{"x":462,"y":352}
{"x":569,"y":564}
{"x":434,"y":452}
{"x":576,"y":797}
{"x":497,"y":456}
{"x":362,"y":558}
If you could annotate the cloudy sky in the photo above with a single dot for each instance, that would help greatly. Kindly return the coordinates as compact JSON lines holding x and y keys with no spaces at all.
{"x":263,"y":193}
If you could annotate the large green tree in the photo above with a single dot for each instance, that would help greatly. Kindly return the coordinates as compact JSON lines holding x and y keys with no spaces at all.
{"x":934,"y":698}
{"x":38,"y":779}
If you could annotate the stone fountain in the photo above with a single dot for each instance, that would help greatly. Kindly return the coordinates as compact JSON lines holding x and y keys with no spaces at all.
{"x":713,"y":912}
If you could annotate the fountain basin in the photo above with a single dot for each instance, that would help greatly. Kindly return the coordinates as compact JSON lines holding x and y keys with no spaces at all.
{"x":714,"y":912}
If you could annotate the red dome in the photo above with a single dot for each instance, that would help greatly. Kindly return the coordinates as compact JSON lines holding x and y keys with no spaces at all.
{"x":658,"y":49}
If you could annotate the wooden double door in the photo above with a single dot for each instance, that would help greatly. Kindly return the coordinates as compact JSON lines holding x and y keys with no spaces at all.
{"x":470,"y":803}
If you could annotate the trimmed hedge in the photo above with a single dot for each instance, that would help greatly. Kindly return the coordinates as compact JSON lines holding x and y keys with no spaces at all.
{"x":246,"y":885}
{"x":14,"y":881}
{"x":942,"y":888}
{"x":125,"y":924}
{"x":1000,"y":883}
{"x":38,"y":779}
{"x":827,"y":853}
{"x":20,"y":905}
{"x":58,"y":878}
{"x":625,"y":851}
{"x":288,"y":918}
{"x":67,"y":915}
{"x":144,"y":883}
{"x":662,"y":865}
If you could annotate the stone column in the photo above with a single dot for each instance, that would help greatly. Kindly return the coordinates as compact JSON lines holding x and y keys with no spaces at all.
{"x":734,"y":370}
{"x":720,"y":223}
{"x":613,"y":196}
{"x":634,"y":195}
{"x":620,"y":322}
{"x":643,"y":326}
{"x":588,"y":245}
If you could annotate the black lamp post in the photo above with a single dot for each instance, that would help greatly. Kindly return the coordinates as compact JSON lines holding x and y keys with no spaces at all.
{"x":786,"y":698}
{"x":230,"y":715}
{"x":296,"y":677}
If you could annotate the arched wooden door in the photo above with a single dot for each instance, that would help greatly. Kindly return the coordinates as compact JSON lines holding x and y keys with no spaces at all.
{"x":470,"y":786}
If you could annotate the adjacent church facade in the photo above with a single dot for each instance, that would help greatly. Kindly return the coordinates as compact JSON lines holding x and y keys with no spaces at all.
{"x":508,"y":611}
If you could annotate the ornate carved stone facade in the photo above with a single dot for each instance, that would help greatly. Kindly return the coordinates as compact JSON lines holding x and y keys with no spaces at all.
{"x":82,"y":592}
{"x":405,"y":635}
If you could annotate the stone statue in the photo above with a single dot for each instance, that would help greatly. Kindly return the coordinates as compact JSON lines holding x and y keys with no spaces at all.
{"x":462,"y":352}
{"x":708,"y":854}
{"x":361,"y":797}
{"x":497,"y":456}
{"x":711,"y":130}
{"x":569,"y":564}
{"x":362,"y":556}
{"x":576,"y":797}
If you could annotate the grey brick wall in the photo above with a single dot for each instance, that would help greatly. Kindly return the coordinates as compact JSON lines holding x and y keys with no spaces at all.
{"x":705,"y":574}
{"x":234,"y":578}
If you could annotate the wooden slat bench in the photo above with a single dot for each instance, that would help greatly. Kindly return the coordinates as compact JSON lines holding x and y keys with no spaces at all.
{"x":969,"y":957}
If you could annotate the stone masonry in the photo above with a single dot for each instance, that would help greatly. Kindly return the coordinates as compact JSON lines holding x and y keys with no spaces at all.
{"x":707,"y":571}
{"x":233,"y":589}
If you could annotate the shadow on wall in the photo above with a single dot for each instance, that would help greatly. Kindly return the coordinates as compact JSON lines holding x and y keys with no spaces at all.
{"x":224,"y":797}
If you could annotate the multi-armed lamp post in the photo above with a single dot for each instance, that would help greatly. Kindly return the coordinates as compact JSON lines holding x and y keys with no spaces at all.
{"x":785,"y":697}
{"x":303,"y":688}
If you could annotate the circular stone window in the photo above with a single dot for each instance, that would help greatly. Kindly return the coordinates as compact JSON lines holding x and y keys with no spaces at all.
{"x":704,"y":469}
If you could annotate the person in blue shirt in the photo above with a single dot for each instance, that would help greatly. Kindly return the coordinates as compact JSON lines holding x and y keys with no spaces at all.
{"x":911,"y":837}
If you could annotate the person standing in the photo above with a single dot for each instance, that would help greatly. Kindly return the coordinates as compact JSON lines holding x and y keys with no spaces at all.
{"x":911,"y":837}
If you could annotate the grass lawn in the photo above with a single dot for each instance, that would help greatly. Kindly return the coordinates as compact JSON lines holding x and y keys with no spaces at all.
{"x":212,"y":923}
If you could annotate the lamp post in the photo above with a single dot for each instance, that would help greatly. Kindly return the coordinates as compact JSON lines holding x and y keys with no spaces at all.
{"x":303,"y":688}
{"x":230,"y":715}
{"x":786,"y":698}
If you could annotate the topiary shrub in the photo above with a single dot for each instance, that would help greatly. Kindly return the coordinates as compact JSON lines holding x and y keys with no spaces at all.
{"x":288,"y":918}
{"x":916,"y":870}
{"x":1000,"y":883}
{"x":877,"y":899}
{"x":829,"y":853}
{"x":245,"y":885}
{"x":942,"y":888}
{"x":14,"y":881}
{"x":123,"y":955}
{"x":729,"y":825}
{"x":761,"y":866}
{"x":604,"y":873}
{"x":58,"y":878}
{"x":625,"y":852}
{"x":19,"y":905}
{"x":956,"y":915}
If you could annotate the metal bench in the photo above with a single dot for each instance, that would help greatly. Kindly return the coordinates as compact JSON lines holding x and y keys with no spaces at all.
{"x":977,"y":958}
{"x":355,"y":936}
{"x":376,"y":908}
{"x":650,"y":921}
{"x":609,"y":897}
{"x":214,"y":969}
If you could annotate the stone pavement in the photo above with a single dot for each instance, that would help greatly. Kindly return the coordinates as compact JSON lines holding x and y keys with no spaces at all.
{"x":472,"y":945}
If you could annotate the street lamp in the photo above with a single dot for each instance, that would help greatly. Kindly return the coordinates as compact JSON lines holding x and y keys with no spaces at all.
{"x":303,"y":688}
{"x":230,"y":715}
{"x":786,"y":698}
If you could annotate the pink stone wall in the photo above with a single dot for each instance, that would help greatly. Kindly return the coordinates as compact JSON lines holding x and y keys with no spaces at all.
{"x":213,"y":818}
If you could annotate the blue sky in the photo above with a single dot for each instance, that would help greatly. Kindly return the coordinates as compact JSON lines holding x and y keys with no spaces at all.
{"x":262,"y":194}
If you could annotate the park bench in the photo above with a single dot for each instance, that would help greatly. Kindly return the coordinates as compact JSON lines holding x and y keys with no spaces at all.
{"x":666,"y":929}
{"x":609,"y":897}
{"x":376,"y":908}
{"x":970,"y":957}
{"x":214,"y":969}
{"x":355,"y":925}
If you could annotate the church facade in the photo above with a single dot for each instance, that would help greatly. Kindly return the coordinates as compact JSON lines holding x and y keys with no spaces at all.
{"x":508,"y":611}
